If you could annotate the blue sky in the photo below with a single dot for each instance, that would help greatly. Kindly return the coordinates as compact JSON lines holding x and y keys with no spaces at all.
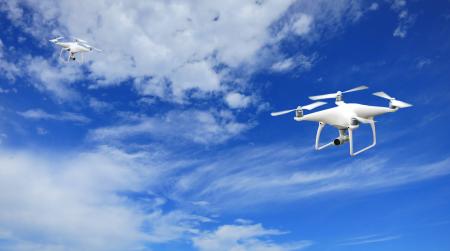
{"x":164,"y":141}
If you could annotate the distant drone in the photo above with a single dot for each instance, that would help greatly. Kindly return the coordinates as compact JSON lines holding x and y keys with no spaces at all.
{"x":77,"y":46}
{"x":345,"y":117}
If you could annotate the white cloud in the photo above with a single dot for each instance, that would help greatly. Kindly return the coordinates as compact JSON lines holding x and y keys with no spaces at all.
{"x":39,"y":114}
{"x":171,"y":48}
{"x":398,"y":4}
{"x":369,"y":239}
{"x":108,"y":194}
{"x":300,"y":62}
{"x":99,"y":105}
{"x":244,"y":237}
{"x":178,"y":41}
{"x":10,"y":70}
{"x":405,"y":19}
{"x":194,"y":75}
{"x":253,"y":175}
{"x":79,"y":201}
{"x":374,"y":6}
{"x":283,"y":65}
{"x":56,"y":80}
{"x":237,"y":100}
{"x":423,"y":62}
{"x":41,"y":131}
{"x":302,"y":25}
{"x":203,"y":127}
{"x":12,"y":90}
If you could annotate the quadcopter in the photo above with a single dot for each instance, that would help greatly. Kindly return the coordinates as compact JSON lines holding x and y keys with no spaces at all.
{"x":346,"y":117}
{"x":74,"y":47}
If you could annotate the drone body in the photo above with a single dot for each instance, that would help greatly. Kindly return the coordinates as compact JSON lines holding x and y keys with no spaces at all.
{"x":77,"y":46}
{"x":345,"y":117}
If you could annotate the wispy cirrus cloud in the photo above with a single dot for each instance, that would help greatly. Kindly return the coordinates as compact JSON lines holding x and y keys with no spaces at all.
{"x":112,"y":195}
{"x":86,"y":201}
{"x":38,"y":114}
{"x":253,"y":175}
{"x":202,"y":127}
{"x":118,"y":197}
{"x":369,"y":239}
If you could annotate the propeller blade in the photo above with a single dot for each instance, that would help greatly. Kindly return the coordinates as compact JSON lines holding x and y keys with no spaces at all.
{"x":55,"y":39}
{"x":282,"y":112}
{"x":79,"y":40}
{"x":383,"y":95}
{"x":359,"y":88}
{"x":400,"y":104}
{"x":324,"y":96}
{"x":394,"y":102}
{"x":365,"y":121}
{"x":96,"y":49}
{"x":90,"y":47}
{"x":306,"y":107}
{"x":313,"y":105}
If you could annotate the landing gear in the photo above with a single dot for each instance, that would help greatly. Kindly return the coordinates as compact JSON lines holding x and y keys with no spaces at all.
{"x":344,"y":137}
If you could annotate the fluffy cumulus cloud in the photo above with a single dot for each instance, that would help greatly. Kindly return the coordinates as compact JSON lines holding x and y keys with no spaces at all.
{"x":172,"y":48}
{"x":180,"y":42}
{"x":237,"y":100}
{"x":54,"y":79}
{"x":251,"y":237}
{"x":172,"y":51}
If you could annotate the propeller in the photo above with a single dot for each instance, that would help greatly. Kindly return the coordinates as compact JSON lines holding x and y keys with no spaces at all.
{"x":80,"y":40}
{"x":91,"y":47}
{"x":55,"y":39}
{"x":393,"y":101}
{"x":335,"y":95}
{"x":306,"y":107}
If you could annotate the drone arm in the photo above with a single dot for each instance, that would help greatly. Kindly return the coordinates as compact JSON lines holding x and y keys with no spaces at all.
{"x":319,"y":131}
{"x":374,"y":142}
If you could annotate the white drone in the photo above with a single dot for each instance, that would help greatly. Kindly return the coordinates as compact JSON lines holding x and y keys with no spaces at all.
{"x":76,"y":46}
{"x":345,"y":117}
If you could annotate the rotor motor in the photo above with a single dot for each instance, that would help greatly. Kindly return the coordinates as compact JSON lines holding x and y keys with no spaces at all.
{"x":392,"y":106}
{"x":299,"y":112}
{"x":339,"y":96}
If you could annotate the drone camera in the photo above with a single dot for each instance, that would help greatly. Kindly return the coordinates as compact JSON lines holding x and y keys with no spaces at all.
{"x":341,"y":140}
{"x":299,"y":113}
